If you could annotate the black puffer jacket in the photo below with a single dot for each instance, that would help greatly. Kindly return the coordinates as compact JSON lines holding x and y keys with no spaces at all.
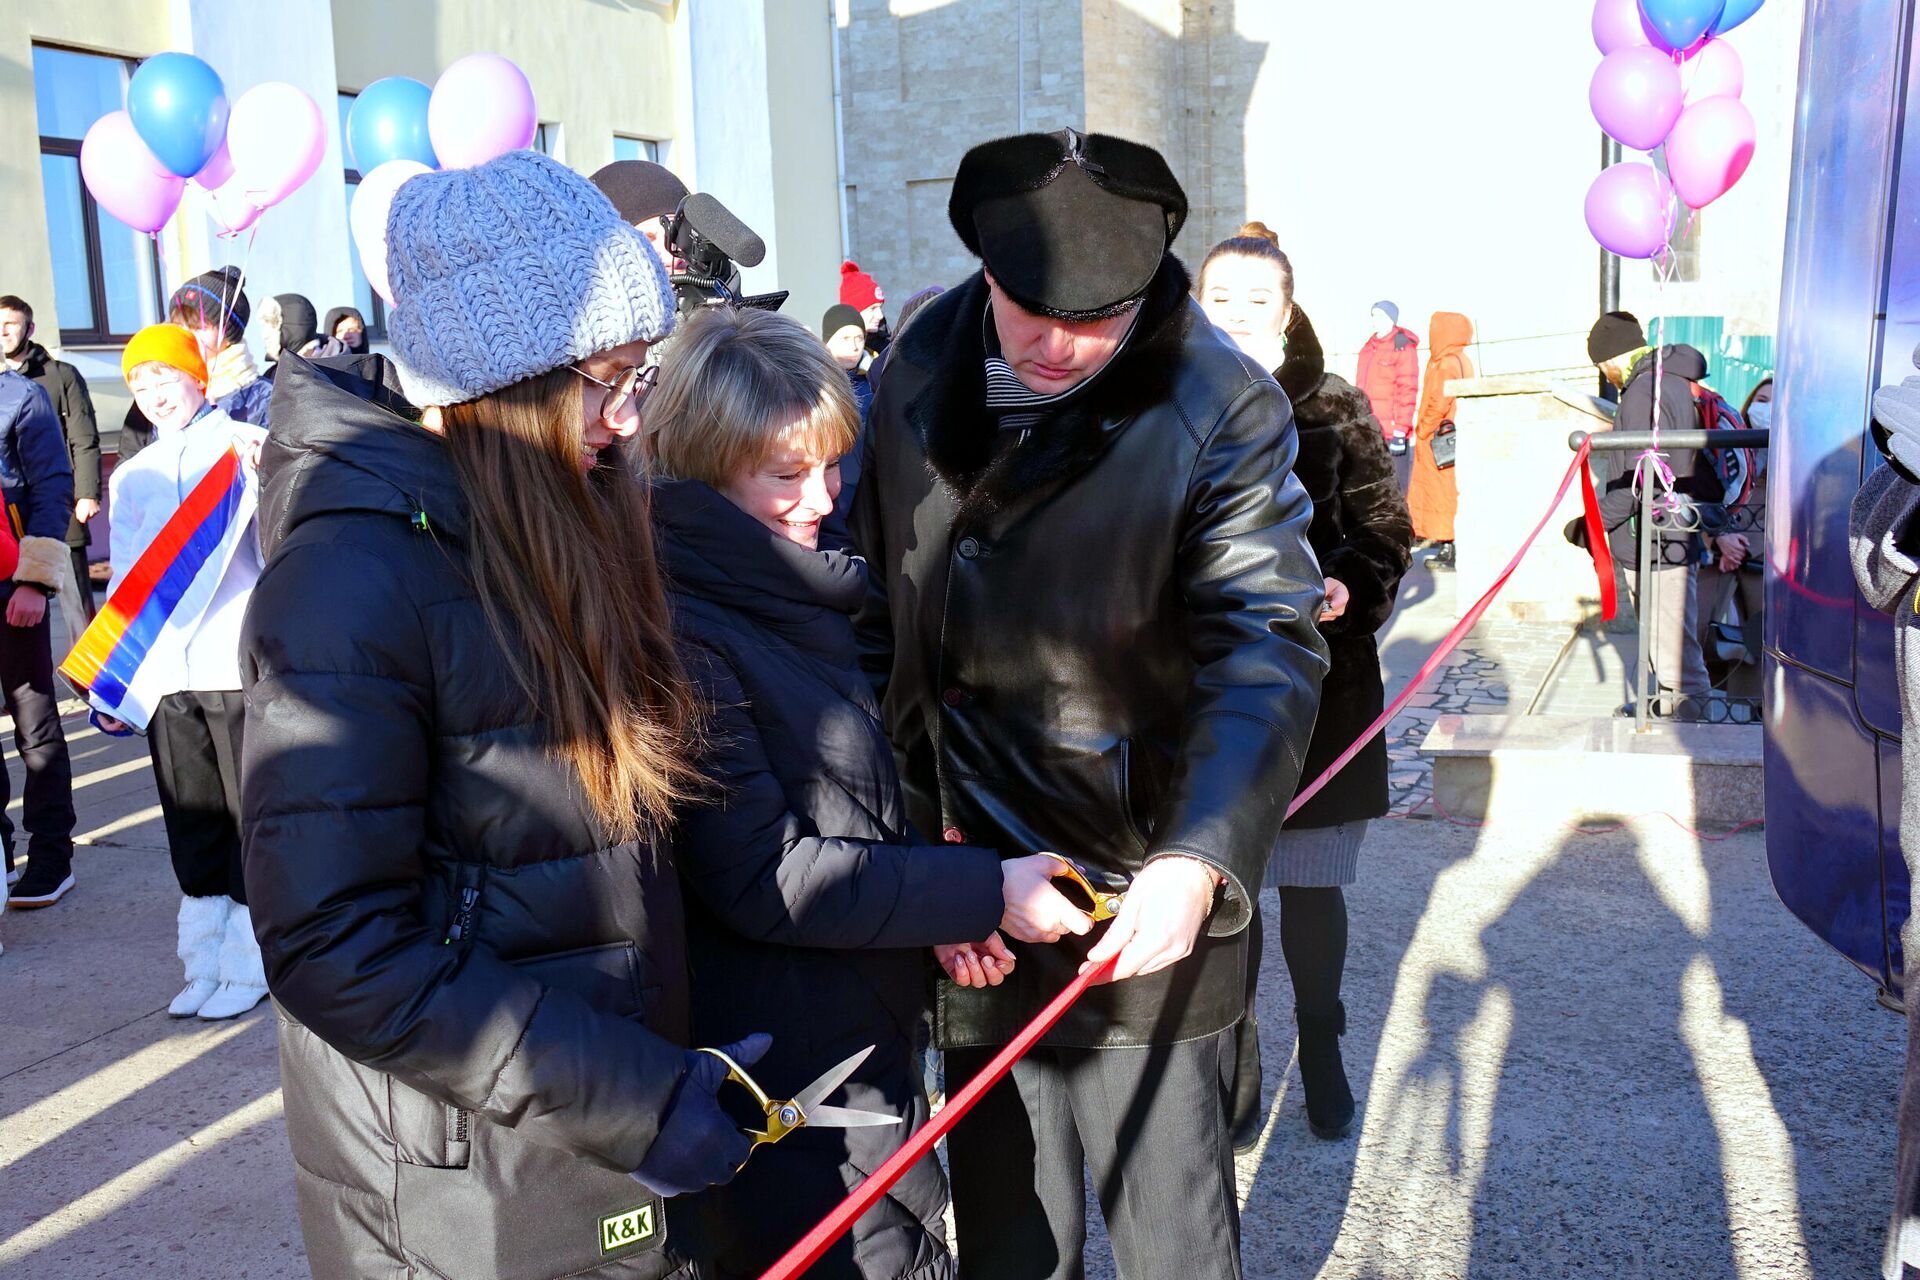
{"x":480,"y":998}
{"x":1097,"y":638}
{"x":811,"y":901}
{"x":1363,"y":536}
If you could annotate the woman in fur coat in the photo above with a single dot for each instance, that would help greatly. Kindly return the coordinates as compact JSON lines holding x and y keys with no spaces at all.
{"x":1363,"y":537}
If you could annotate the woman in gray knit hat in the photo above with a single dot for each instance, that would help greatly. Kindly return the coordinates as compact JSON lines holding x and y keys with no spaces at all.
{"x":466,"y":729}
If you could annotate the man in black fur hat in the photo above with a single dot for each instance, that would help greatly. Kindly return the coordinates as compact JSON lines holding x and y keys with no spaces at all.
{"x":1092,"y":626}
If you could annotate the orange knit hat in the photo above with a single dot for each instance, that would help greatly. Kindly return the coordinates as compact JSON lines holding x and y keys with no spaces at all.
{"x":170,"y":345}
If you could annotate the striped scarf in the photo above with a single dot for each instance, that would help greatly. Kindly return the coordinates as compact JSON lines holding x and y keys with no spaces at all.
{"x":1010,"y":401}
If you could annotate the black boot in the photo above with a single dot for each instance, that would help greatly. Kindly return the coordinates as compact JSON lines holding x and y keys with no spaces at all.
{"x":1322,"y":1075}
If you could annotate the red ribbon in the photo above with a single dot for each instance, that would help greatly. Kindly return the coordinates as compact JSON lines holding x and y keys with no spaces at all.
{"x":817,"y":1241}
{"x":1602,"y":567}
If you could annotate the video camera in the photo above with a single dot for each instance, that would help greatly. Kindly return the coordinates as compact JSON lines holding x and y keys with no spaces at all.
{"x":710,"y":245}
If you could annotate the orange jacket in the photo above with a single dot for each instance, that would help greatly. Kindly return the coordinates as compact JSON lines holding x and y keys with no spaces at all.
{"x":1433,"y":496}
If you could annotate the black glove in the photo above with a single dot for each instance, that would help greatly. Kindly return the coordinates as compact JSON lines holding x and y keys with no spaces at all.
{"x":699,"y":1145}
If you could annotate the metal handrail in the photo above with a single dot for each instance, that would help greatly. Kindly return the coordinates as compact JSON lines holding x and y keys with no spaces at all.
{"x":1642,"y":442}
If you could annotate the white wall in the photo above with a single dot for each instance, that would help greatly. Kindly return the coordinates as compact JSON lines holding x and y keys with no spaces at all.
{"x":301,"y":244}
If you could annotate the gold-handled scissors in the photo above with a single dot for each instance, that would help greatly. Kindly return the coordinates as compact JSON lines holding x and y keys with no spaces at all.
{"x":1106,"y":897}
{"x":804,"y":1109}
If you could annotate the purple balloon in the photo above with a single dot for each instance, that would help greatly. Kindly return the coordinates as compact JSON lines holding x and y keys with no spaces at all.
{"x":1710,"y":149}
{"x":1630,"y":210}
{"x":482,"y":107}
{"x":1636,"y":97}
{"x":215,"y":172}
{"x":1618,"y":24}
{"x":125,"y":178}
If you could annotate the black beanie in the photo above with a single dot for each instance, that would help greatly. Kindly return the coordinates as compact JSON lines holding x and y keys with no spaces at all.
{"x":211,"y":296}
{"x":1615,"y":334}
{"x":839,"y":316}
{"x":640,"y":189}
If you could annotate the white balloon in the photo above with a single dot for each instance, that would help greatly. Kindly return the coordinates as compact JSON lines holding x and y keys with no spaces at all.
{"x":368,"y":217}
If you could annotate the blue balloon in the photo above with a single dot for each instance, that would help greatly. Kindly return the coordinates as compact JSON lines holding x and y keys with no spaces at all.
{"x":1738,"y":11}
{"x":179,"y":109}
{"x":388,"y":121}
{"x":1681,"y":23}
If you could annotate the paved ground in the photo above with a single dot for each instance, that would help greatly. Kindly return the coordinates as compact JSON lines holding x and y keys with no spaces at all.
{"x":1611,"y":1056}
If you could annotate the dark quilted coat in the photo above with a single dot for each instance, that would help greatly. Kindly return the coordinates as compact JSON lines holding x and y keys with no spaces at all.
{"x":811,"y":902}
{"x":481,"y":1000}
{"x":1363,"y":536}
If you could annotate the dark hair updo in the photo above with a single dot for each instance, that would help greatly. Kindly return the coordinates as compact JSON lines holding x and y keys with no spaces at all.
{"x":1254,"y":240}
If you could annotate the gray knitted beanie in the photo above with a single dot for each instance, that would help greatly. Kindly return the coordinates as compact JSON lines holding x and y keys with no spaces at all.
{"x":511,"y":269}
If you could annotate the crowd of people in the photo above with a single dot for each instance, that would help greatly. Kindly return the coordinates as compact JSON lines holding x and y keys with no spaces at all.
{"x":599,"y":700}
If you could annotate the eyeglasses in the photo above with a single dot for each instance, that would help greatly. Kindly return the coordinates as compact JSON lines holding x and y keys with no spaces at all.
{"x":631,"y":383}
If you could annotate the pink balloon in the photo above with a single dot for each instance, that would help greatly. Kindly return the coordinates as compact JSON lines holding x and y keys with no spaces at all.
{"x":216,"y":171}
{"x":276,"y":137}
{"x":229,"y":206}
{"x":1630,"y":210}
{"x":368,"y":218}
{"x":125,"y":178}
{"x":1710,"y":149}
{"x":482,"y":107}
{"x":1617,"y":25}
{"x":1636,"y":97}
{"x":1714,"y":72}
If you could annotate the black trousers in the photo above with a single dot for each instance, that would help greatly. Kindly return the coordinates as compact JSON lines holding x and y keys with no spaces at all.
{"x":195,"y":742}
{"x":26,"y":679}
{"x":1149,"y":1124}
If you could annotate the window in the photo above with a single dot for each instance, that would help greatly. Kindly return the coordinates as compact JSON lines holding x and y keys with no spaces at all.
{"x":372,"y":307}
{"x":635,"y":149}
{"x":546,"y":140}
{"x":106,"y":275}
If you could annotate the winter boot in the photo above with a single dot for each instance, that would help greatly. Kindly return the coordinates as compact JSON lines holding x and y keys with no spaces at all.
{"x":203,"y":922}
{"x":243,"y":983}
{"x":1322,"y":1075}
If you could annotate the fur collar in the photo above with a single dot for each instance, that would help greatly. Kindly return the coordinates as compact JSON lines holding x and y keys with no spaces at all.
{"x":961,"y":439}
{"x":1306,"y":363}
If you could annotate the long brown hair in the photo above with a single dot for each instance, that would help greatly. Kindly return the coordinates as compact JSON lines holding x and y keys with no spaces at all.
{"x":565,"y":569}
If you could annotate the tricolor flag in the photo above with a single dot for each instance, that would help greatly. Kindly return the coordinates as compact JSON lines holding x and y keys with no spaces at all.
{"x":133,"y":654}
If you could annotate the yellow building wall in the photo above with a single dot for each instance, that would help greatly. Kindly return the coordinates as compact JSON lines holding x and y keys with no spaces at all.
{"x":596,"y":69}
{"x":127,"y":28}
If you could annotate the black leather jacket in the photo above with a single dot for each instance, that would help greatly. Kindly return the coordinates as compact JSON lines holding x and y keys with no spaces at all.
{"x":481,"y":997}
{"x":1096,"y":639}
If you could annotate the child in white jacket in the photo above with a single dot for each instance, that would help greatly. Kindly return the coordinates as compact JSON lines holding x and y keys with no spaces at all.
{"x":195,"y":730}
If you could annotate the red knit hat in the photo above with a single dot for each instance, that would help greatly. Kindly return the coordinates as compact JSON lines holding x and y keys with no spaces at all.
{"x":858,"y":289}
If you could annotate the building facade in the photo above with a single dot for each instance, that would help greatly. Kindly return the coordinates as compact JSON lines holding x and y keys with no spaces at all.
{"x":612,"y":81}
{"x":1437,"y":155}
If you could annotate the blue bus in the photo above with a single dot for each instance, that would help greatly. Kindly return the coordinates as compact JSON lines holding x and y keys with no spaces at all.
{"x":1849,"y":323}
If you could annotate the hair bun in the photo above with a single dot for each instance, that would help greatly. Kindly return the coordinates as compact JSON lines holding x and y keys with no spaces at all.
{"x":1260,"y":230}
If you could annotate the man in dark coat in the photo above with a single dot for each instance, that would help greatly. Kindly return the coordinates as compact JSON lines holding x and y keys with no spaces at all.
{"x":74,"y":407}
{"x":1092,"y":623}
{"x":36,"y":478}
{"x":1617,"y":346}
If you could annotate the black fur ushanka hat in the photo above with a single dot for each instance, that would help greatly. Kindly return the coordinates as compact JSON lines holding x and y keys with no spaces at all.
{"x":1071,"y":225}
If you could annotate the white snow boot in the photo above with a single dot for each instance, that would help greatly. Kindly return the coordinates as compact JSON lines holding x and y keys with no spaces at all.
{"x":243,"y":982}
{"x":203,"y":921}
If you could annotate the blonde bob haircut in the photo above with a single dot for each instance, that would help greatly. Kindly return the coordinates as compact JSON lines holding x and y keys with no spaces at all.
{"x":735,"y":385}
